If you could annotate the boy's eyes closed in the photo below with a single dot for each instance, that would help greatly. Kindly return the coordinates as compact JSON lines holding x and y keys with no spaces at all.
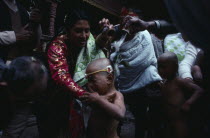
{"x":90,"y":78}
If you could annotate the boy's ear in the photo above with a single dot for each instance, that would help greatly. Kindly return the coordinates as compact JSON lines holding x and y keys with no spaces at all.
{"x":110,"y":78}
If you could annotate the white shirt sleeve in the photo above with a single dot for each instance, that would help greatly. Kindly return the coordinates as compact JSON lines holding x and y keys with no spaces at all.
{"x":7,"y":37}
{"x":188,"y":61}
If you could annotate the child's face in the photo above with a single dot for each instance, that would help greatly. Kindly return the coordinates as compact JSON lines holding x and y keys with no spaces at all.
{"x":98,"y":82}
{"x":166,"y":69}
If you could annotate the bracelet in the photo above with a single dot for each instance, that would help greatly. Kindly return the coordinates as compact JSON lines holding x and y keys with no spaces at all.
{"x":157,"y":24}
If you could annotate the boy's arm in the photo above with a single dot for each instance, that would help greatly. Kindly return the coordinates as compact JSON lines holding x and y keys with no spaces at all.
{"x":115,"y":109}
{"x":190,"y":86}
{"x":197,"y":74}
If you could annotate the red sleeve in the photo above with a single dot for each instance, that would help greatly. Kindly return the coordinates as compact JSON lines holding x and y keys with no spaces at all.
{"x":59,"y":68}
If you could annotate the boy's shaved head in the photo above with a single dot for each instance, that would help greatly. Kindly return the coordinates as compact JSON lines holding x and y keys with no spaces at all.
{"x":169,"y":56}
{"x":99,"y":76}
{"x":98,"y":64}
{"x":168,"y":65}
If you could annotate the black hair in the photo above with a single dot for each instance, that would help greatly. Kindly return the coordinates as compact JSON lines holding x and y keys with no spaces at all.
{"x":138,"y":12}
{"x":22,"y":73}
{"x":75,"y":15}
{"x":70,"y":19}
{"x":170,"y":56}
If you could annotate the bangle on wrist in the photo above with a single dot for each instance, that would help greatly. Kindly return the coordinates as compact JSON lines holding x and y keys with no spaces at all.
{"x":157,"y":24}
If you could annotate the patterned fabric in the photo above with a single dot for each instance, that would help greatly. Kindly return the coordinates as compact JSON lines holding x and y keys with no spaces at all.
{"x":57,"y":59}
{"x":86,"y":56}
{"x":59,"y":68}
{"x":59,"y":55}
{"x":76,"y":121}
{"x":176,"y":44}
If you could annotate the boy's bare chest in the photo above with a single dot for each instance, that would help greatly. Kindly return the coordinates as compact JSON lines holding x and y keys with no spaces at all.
{"x":101,"y":123}
{"x":170,"y":87}
{"x":173,"y":94}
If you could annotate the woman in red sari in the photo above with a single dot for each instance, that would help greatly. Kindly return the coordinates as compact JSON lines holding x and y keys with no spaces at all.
{"x":68,"y":56}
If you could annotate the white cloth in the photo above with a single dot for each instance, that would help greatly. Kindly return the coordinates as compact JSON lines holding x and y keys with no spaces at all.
{"x":137,"y":62}
{"x":176,"y":44}
{"x":189,"y":60}
{"x":7,"y":38}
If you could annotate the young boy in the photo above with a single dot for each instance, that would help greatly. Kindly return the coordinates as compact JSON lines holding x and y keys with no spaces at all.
{"x":179,"y":95}
{"x":107,"y":103}
{"x":26,"y":78}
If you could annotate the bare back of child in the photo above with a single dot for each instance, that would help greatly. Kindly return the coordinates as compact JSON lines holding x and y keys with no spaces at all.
{"x":107,"y":103}
{"x":178,"y":95}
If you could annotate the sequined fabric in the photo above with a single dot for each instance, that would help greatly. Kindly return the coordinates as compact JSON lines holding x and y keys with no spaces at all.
{"x":61,"y":71}
{"x":59,"y":68}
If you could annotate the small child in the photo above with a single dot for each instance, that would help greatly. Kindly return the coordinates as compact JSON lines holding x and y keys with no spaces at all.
{"x":26,"y":78}
{"x":107,"y":103}
{"x":178,"y":94}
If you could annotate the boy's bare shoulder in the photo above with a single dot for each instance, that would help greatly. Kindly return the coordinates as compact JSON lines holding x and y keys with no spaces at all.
{"x":178,"y":80}
{"x":181,"y":80}
{"x":119,"y":94}
{"x":185,"y":83}
{"x":119,"y":98}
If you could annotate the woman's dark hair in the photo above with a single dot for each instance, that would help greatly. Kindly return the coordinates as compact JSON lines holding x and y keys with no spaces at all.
{"x":72,"y":17}
{"x":22,"y":73}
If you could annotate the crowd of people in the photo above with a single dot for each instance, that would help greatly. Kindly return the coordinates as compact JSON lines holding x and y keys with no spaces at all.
{"x":80,"y":86}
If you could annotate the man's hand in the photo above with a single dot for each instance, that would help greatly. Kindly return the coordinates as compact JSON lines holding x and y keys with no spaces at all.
{"x":104,"y":23}
{"x":35,"y":16}
{"x":23,"y":34}
{"x":197,"y":74}
{"x":134,"y":24}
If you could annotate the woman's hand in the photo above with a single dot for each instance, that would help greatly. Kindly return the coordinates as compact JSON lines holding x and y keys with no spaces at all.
{"x":94,"y":97}
{"x":90,"y":97}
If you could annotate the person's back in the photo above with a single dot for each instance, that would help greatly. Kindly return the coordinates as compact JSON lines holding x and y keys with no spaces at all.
{"x":178,"y":95}
{"x":26,"y":79}
{"x":107,"y":104}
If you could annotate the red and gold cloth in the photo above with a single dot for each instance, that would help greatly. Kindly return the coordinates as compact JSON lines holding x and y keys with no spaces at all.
{"x":59,"y":68}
